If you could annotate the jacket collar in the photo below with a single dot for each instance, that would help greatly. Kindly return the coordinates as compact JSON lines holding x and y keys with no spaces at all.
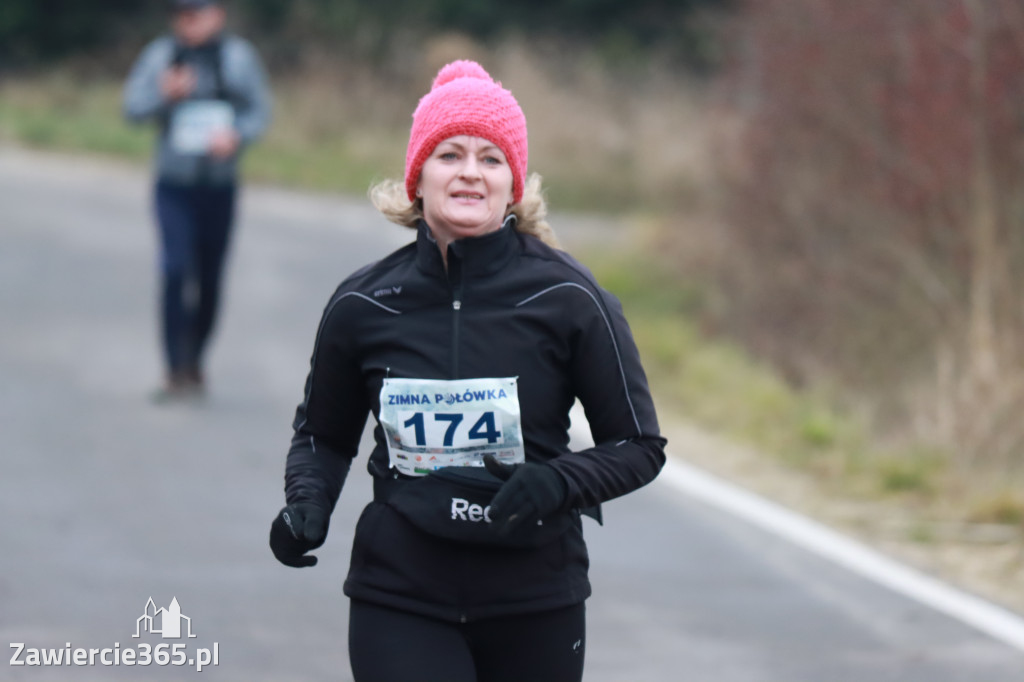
{"x":483,"y":255}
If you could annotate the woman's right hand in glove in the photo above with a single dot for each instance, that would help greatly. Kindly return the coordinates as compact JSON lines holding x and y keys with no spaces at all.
{"x":298,"y":528}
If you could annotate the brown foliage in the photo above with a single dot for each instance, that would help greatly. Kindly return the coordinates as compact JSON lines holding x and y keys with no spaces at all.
{"x":875,"y":198}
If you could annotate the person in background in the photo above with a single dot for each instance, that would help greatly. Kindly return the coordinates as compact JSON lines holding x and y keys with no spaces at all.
{"x":469,"y":346}
{"x":207,"y":92}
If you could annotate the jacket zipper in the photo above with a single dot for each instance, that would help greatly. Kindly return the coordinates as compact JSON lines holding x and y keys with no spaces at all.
{"x":455,"y":278}
{"x":456,"y":307}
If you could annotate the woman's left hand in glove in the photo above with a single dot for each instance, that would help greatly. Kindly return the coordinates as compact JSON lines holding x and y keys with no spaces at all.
{"x":530,"y":493}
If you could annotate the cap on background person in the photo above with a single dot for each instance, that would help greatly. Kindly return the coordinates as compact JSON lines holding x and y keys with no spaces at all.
{"x":180,"y":5}
{"x":465,"y":100}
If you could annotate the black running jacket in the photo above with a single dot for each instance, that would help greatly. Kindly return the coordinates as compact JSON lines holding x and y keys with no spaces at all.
{"x":507,"y":305}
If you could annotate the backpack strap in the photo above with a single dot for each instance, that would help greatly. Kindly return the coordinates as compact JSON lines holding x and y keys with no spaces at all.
{"x":220,"y":84}
{"x":220,"y":89}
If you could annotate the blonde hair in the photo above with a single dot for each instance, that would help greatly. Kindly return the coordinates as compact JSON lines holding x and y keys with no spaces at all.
{"x":390,"y":198}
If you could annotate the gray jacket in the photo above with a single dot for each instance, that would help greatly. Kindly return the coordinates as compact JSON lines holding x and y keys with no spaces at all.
{"x":243,"y":85}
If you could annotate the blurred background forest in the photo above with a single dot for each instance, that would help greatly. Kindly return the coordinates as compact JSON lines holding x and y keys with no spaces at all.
{"x":825,"y":196}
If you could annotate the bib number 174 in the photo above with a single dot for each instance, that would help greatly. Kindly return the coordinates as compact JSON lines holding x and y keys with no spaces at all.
{"x":449,"y":429}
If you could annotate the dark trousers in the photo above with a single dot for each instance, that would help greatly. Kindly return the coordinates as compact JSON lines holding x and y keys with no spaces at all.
{"x":386,"y":645}
{"x":195,"y":228}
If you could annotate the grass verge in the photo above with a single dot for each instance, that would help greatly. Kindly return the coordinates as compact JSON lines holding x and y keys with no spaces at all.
{"x":56,"y":112}
{"x":601,"y":144}
{"x":718,"y":386}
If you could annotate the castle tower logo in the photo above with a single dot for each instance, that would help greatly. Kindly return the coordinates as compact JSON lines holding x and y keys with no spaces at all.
{"x":164,"y":622}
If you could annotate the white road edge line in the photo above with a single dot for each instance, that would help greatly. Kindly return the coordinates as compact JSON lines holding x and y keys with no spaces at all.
{"x":993,"y":620}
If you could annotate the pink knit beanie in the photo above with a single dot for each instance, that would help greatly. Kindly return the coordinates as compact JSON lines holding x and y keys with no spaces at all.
{"x":465,"y":100}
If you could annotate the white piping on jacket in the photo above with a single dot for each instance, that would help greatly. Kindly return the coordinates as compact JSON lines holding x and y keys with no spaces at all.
{"x":611,"y":333}
{"x":319,"y":332}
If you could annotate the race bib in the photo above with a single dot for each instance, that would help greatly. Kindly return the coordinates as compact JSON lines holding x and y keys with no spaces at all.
{"x":430,"y":424}
{"x":194,"y":122}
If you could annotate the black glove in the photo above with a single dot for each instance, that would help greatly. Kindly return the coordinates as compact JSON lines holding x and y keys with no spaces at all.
{"x":530,"y":492}
{"x":298,"y":528}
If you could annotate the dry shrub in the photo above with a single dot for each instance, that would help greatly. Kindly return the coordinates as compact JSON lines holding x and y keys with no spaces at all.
{"x":632,"y":136}
{"x":873,"y":196}
{"x":623,"y":141}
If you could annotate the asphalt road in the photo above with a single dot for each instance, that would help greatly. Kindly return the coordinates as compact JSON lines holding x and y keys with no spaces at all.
{"x":107,"y":500}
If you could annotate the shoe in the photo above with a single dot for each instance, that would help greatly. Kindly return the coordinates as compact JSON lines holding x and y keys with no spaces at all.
{"x":193,"y":379}
{"x":179,"y":388}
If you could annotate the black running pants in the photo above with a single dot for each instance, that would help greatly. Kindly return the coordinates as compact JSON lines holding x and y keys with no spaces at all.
{"x":386,"y":645}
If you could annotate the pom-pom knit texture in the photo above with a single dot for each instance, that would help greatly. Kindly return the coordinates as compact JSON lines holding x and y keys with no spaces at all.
{"x":465,"y":100}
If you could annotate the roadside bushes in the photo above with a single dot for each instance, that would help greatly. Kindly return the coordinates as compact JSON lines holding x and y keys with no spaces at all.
{"x":33,"y":32}
{"x":873,"y":189}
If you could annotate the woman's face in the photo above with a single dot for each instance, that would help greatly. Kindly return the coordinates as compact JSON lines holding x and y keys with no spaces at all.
{"x":466,"y":188}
